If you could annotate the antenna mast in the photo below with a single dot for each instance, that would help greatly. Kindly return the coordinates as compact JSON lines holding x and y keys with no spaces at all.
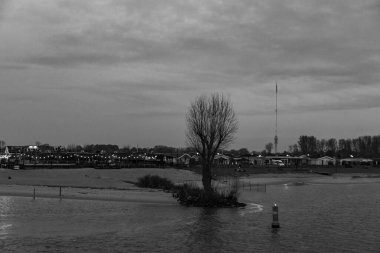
{"x":275,"y":136}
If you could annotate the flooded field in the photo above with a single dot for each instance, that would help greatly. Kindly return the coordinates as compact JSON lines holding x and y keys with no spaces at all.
{"x":314,"y":217}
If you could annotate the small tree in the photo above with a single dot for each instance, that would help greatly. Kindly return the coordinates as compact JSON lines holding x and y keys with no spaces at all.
{"x":2,"y":144}
{"x":268,"y":147}
{"x":243,"y":151}
{"x":211,"y":124}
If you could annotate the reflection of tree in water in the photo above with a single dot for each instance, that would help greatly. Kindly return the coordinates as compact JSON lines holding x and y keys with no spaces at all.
{"x":205,"y":233}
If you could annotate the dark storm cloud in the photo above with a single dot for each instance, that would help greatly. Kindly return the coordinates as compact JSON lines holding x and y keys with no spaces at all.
{"x":13,"y":67}
{"x":280,"y":40}
{"x":3,"y":6}
{"x":70,"y":50}
{"x":355,"y":102}
{"x":149,"y":58}
{"x":157,"y":86}
{"x":358,"y":73}
{"x":72,"y":60}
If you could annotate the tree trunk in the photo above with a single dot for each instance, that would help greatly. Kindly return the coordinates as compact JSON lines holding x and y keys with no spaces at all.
{"x":206,"y":178}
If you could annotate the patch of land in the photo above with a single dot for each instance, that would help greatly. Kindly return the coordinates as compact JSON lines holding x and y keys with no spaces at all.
{"x":311,"y":178}
{"x":38,"y":192}
{"x":119,"y":184}
{"x":122,"y":179}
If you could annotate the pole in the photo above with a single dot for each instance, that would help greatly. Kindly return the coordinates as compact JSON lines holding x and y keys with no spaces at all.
{"x":60,"y":192}
{"x":34,"y":193}
{"x":275,"y":136}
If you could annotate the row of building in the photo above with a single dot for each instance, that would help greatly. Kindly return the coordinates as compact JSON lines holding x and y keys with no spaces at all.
{"x":35,"y":155}
{"x":294,"y":161}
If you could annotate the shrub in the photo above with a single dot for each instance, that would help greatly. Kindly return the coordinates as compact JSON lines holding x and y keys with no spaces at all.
{"x":155,"y":182}
{"x":192,"y":195}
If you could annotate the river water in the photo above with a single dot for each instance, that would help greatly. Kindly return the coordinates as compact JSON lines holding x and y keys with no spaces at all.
{"x":313,"y":218}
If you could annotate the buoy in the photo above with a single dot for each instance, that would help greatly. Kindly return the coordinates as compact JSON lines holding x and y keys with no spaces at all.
{"x":275,"y":223}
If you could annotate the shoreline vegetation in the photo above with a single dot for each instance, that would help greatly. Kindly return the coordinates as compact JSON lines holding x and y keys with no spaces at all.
{"x":120,"y":184}
{"x":190,"y":194}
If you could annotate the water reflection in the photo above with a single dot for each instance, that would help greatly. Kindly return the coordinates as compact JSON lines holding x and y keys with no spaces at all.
{"x":343,"y":215}
{"x":6,"y":204}
{"x":205,"y":231}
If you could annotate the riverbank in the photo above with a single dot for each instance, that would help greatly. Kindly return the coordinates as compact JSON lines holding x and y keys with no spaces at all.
{"x":91,"y":184}
{"x":119,"y":184}
{"x":38,"y":192}
{"x":253,"y":170}
{"x":311,"y":178}
{"x":118,"y":179}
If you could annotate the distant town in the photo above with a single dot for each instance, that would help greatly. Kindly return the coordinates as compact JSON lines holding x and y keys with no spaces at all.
{"x":308,"y":151}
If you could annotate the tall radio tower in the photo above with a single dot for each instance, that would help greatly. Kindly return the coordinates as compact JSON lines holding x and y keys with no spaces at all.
{"x":275,"y":136}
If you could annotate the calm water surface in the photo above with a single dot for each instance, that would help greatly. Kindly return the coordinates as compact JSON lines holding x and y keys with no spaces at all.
{"x":313,"y":218}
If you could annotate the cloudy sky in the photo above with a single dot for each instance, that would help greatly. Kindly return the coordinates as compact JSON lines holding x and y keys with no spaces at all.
{"x":125,"y":72}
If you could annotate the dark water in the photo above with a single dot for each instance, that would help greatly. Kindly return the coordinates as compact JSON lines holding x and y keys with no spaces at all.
{"x":313,"y":218}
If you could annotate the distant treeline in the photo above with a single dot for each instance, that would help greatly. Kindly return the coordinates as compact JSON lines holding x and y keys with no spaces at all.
{"x":364,"y":146}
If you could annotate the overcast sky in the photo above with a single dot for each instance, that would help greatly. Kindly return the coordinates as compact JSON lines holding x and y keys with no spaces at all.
{"x":125,"y":72}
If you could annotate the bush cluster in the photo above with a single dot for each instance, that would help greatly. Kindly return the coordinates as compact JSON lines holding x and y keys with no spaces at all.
{"x":192,"y":195}
{"x":155,"y":182}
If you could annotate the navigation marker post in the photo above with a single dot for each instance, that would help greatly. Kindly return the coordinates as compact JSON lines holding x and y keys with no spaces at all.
{"x":275,"y":223}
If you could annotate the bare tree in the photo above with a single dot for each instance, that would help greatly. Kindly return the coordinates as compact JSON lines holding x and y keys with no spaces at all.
{"x":211,"y":124}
